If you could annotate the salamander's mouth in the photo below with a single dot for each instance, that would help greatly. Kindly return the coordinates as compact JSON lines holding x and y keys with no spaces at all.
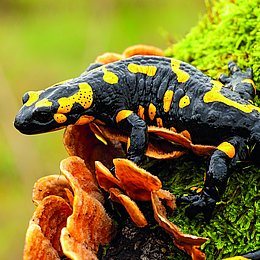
{"x":20,"y":123}
{"x":29,"y":126}
{"x":34,"y":129}
{"x":19,"y":127}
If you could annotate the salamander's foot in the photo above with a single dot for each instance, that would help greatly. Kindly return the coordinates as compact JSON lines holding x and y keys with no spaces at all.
{"x":235,"y":73}
{"x":136,"y":159}
{"x":233,"y":68}
{"x":199,"y":203}
{"x":239,"y":81}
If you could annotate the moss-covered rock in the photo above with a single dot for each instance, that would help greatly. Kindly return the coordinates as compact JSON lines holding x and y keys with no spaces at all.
{"x":235,"y":226}
{"x":229,"y":31}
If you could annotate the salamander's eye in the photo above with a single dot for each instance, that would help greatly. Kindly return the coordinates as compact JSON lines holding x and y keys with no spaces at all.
{"x":43,"y":116}
{"x":25,"y":98}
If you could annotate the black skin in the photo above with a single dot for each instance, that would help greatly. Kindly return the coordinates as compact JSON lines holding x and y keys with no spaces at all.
{"x":209,"y":123}
{"x":255,"y":255}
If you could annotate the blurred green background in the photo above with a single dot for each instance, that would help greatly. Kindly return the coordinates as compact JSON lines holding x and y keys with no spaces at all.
{"x":43,"y":42}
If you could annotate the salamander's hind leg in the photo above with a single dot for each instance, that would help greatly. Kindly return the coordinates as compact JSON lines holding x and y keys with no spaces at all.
{"x":222,"y":160}
{"x":240,"y":82}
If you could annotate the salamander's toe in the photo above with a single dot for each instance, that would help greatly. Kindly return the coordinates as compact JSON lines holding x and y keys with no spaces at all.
{"x":223,"y":78}
{"x":232,"y":66}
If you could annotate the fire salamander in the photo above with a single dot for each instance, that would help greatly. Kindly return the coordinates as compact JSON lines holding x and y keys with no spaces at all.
{"x":134,"y":93}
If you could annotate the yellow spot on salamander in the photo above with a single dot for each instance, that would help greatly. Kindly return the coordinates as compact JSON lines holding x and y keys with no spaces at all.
{"x":182,"y":76}
{"x":216,"y":83}
{"x":128,"y":143}
{"x":184,"y":101}
{"x":109,"y":77}
{"x":167,"y":100}
{"x":196,"y":189}
{"x":84,"y":97}
{"x":148,"y":70}
{"x":121,"y":115}
{"x":199,"y":190}
{"x":97,"y":132}
{"x":250,"y":81}
{"x":101,"y":139}
{"x":60,"y":118}
{"x":159,"y":122}
{"x":228,"y":149}
{"x":33,"y":97}
{"x":43,"y":103}
{"x":152,"y":111}
{"x":141,"y":111}
{"x":237,"y":258}
{"x":214,"y":95}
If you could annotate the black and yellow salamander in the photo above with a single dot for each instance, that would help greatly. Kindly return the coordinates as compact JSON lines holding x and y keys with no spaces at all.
{"x":134,"y":93}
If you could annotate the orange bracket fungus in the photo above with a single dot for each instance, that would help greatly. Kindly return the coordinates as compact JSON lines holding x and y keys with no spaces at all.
{"x":85,"y":224}
{"x":189,"y":243}
{"x":138,"y":184}
{"x":69,"y":219}
{"x":50,"y":185}
{"x":131,"y":51}
{"x":96,"y":142}
{"x":80,"y":140}
{"x":43,"y":234}
{"x":89,"y":225}
{"x":98,"y":145}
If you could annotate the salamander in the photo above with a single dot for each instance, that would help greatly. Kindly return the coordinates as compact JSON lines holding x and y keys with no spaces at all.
{"x":140,"y":91}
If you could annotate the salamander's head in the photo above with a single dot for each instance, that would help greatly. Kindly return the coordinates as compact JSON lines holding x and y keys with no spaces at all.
{"x":54,"y":108}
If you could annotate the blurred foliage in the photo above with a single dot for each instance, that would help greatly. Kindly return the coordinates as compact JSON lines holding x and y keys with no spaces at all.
{"x":43,"y":42}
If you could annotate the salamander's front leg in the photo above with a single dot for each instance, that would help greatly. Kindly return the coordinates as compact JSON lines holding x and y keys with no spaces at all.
{"x":239,"y":82}
{"x":220,"y":163}
{"x":131,"y":123}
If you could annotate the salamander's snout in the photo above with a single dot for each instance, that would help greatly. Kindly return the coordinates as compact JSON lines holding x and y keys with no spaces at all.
{"x":36,"y":114}
{"x":20,"y":123}
{"x":32,"y":119}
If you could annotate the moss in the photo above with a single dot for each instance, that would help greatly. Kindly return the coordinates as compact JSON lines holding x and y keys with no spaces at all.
{"x":235,"y":226}
{"x":229,"y":31}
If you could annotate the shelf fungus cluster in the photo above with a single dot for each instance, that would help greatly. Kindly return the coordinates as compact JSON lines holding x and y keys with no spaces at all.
{"x":133,"y":183}
{"x":70,"y":219}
